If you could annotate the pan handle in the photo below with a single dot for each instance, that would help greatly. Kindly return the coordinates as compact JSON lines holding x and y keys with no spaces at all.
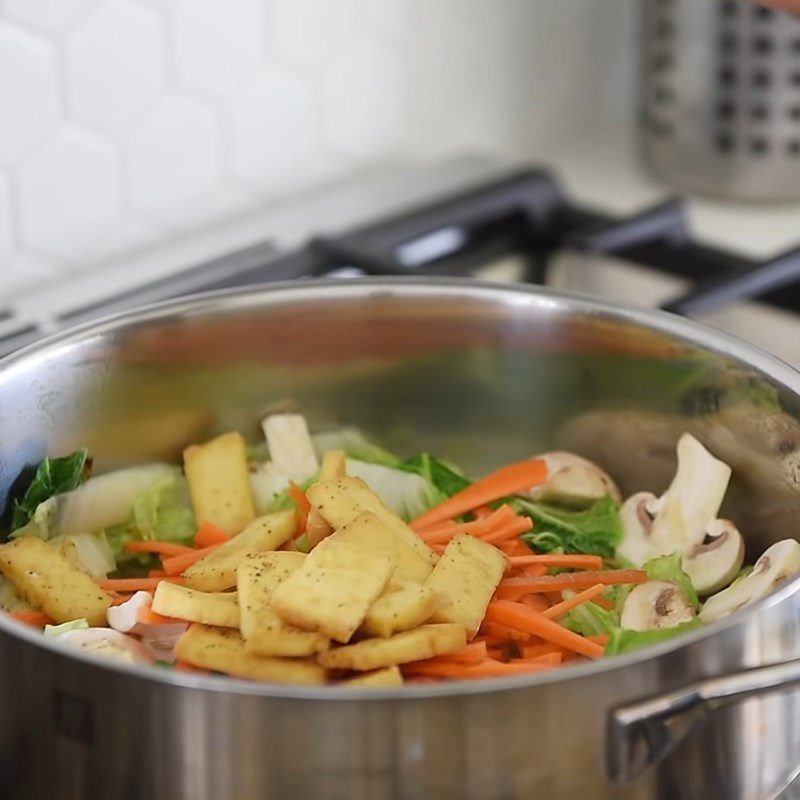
{"x":642,"y":733}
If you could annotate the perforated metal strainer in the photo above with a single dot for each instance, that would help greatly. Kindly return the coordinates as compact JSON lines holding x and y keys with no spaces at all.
{"x":720,"y":98}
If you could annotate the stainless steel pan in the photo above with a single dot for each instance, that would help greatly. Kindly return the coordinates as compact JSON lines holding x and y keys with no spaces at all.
{"x":479,"y":373}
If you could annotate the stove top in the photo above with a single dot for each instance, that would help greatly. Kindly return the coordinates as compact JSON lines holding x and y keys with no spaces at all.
{"x":454,"y":222}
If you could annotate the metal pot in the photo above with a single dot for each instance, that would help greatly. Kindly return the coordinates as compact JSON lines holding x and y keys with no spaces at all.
{"x":482,"y":374}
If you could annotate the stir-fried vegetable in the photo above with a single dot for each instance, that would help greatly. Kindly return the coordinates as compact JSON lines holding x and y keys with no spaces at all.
{"x":330,"y":560}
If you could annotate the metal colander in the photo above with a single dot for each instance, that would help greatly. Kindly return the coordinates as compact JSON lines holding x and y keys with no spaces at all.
{"x":720,"y":98}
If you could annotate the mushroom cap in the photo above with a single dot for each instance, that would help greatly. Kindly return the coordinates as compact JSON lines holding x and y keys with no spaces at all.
{"x":713,"y":563}
{"x":655,"y":604}
{"x":573,"y":481}
{"x":777,"y":564}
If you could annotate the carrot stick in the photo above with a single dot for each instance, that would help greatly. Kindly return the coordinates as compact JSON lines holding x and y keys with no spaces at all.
{"x":185,"y":666}
{"x":518,"y":616}
{"x":482,"y":511}
{"x":554,"y":657}
{"x":502,"y":633}
{"x":557,"y":611}
{"x":514,"y":587}
{"x":302,"y":503}
{"x":600,"y":638}
{"x":488,"y":668}
{"x":440,"y":534}
{"x":533,"y":571}
{"x":162,"y":548}
{"x":507,"y":480}
{"x":134,"y":584}
{"x":473,"y":653}
{"x":36,"y":618}
{"x":519,"y":548}
{"x":156,"y":573}
{"x":210,"y":534}
{"x":536,"y":602}
{"x":149,"y":617}
{"x":509,"y":530}
{"x":177,"y":564}
{"x":553,"y":560}
{"x":119,"y":599}
{"x":536,"y":650}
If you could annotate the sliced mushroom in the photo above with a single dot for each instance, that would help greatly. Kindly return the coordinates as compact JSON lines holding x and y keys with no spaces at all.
{"x":777,"y":564}
{"x":680,"y":518}
{"x":694,"y":497}
{"x":637,"y":515}
{"x":573,"y":481}
{"x":716,"y":561}
{"x":656,"y":604}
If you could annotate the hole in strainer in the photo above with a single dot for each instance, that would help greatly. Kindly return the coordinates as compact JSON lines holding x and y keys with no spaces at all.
{"x":762,"y":45}
{"x":759,"y":146}
{"x":724,"y":142}
{"x":793,"y":147}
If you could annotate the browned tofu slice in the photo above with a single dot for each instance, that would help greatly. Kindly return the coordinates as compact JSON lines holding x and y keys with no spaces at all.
{"x":333,"y":589}
{"x":47,"y":580}
{"x":219,"y":482}
{"x":423,"y":642}
{"x":341,"y":499}
{"x":222,"y":650}
{"x":264,"y":632}
{"x":467,"y":574}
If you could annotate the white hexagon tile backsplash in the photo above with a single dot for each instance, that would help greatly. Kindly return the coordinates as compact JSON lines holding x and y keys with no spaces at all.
{"x":127,"y":123}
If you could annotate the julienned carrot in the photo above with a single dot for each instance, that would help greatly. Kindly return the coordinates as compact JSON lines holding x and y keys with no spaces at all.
{"x":134,"y":584}
{"x":177,"y":564}
{"x":185,"y":666}
{"x":489,"y":668}
{"x":519,"y":616}
{"x":441,"y":534}
{"x":537,"y":602}
{"x":482,"y":511}
{"x":515,"y":587}
{"x":301,"y":501}
{"x":149,"y":617}
{"x":537,"y":650}
{"x":36,"y":618}
{"x":604,"y":602}
{"x":532,"y":571}
{"x":473,"y":653}
{"x":497,"y":632}
{"x":156,"y":573}
{"x":162,"y":548}
{"x":509,"y":530}
{"x":210,"y":534}
{"x":507,"y":480}
{"x":557,"y":611}
{"x":518,"y":548}
{"x":600,"y":638}
{"x":552,"y":560}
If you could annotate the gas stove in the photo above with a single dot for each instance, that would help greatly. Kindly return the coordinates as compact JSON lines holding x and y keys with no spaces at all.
{"x":466,"y":218}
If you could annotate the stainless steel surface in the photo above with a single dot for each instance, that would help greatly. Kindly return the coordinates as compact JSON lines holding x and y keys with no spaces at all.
{"x":644,"y":732}
{"x":478,"y":373}
{"x":720,"y":98}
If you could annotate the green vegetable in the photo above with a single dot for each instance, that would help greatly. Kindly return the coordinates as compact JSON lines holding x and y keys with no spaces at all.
{"x":590,"y":619}
{"x":443,"y":477}
{"x":668,"y":568}
{"x":596,"y":530}
{"x":65,"y":627}
{"x":162,"y":512}
{"x":301,"y":542}
{"x":53,"y":476}
{"x":623,"y":641}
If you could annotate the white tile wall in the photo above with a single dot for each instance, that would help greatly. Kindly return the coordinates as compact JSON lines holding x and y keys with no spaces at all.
{"x":127,"y":123}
